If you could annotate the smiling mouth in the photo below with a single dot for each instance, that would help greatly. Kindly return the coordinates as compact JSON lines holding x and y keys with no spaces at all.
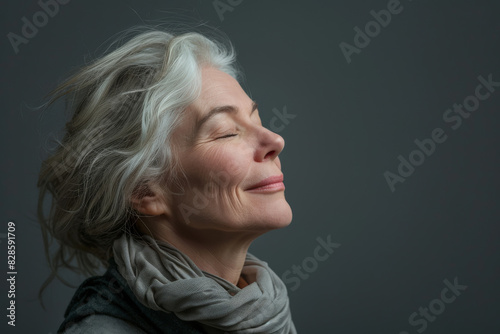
{"x":272,"y":183}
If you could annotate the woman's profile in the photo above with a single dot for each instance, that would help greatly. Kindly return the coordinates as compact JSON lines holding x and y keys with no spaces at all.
{"x":164,"y":177}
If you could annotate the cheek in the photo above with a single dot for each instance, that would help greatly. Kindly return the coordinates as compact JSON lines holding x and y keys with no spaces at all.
{"x":213,"y":175}
{"x":224,"y":166}
{"x":213,"y":181}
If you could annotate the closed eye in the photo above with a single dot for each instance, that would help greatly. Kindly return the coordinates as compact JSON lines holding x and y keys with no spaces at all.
{"x":227,"y":136}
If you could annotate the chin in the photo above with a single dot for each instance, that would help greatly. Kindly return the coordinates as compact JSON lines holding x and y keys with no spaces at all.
{"x":277,"y":215}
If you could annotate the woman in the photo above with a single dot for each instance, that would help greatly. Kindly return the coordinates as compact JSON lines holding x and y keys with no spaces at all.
{"x":165,"y":176}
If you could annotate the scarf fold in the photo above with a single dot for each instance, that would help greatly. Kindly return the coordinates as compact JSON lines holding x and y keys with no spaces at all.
{"x":163,"y":278}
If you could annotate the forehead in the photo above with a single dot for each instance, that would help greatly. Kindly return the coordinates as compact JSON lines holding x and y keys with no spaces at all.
{"x":217,"y":89}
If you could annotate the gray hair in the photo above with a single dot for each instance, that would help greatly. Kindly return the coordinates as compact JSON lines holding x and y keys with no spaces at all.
{"x":124,"y":108}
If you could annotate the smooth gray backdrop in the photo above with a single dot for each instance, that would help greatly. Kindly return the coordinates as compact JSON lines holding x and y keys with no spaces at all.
{"x":395,"y":249}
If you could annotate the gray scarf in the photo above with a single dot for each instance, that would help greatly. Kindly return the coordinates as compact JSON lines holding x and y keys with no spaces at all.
{"x":163,"y":278}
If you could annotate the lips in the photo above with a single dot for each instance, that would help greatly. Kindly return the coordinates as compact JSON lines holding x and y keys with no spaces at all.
{"x":271,"y":182}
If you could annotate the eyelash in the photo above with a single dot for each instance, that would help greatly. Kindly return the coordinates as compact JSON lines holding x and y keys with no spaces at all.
{"x":227,"y":136}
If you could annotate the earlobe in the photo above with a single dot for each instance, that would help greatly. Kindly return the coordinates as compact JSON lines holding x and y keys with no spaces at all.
{"x":149,"y":201}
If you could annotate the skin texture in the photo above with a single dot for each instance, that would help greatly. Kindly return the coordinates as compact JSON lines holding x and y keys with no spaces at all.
{"x":212,"y":217}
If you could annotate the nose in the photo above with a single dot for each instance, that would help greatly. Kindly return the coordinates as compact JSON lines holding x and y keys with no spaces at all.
{"x":270,"y":144}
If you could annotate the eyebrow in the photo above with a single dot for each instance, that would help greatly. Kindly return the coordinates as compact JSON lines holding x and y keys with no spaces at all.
{"x":218,"y":110}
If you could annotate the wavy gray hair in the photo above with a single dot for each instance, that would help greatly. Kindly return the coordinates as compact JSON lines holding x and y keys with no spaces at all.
{"x":124,"y":107}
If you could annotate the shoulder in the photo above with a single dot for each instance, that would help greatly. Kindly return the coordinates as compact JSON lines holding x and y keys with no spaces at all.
{"x":101,"y":324}
{"x":102,"y":304}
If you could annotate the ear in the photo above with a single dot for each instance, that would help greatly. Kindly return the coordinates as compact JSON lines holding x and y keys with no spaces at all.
{"x":148,"y":200}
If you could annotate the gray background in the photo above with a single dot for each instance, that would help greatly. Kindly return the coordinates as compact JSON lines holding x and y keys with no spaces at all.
{"x":351,"y":123}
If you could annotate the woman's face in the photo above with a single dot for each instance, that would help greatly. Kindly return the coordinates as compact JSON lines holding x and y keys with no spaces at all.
{"x":225,"y":152}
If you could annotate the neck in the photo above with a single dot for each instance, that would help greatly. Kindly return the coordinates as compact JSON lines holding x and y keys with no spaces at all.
{"x":220,"y":253}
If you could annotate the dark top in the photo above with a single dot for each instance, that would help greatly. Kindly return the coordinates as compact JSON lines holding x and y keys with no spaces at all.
{"x":109,"y":295}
